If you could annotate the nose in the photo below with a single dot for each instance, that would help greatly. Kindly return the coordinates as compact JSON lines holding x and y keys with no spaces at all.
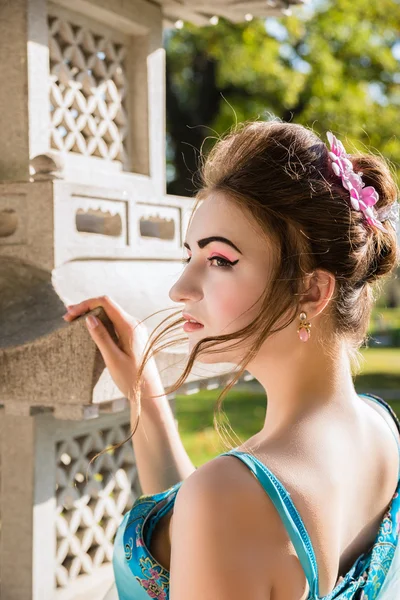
{"x":186,"y":289}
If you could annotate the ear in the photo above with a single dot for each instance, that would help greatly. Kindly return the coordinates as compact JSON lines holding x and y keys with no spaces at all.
{"x":319,"y":287}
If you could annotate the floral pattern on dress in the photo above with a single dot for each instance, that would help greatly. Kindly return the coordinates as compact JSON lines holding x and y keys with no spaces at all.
{"x":156,"y":579}
{"x":139,"y":537}
{"x":129,"y":549}
{"x":152,"y":576}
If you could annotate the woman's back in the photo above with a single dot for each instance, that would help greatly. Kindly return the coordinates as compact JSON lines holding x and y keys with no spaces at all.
{"x":379,"y":473}
{"x":339,"y":490}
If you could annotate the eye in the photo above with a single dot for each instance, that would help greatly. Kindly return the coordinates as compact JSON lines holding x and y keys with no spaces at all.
{"x":227,"y":264}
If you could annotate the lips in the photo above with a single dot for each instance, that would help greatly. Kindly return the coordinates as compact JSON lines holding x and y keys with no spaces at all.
{"x":189,"y":317}
{"x":189,"y":326}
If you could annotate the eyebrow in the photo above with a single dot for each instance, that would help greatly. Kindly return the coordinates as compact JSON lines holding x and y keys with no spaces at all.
{"x":214,"y":238}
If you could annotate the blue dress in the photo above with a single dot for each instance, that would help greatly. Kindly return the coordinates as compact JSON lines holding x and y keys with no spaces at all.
{"x":374,"y":575}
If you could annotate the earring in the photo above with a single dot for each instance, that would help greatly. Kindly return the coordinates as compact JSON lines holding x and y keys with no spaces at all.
{"x":304,"y":329}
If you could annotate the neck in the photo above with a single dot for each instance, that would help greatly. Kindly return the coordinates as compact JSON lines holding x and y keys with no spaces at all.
{"x":304,"y":381}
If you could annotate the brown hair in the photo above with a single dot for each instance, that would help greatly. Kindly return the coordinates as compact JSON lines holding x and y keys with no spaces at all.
{"x":279,"y":175}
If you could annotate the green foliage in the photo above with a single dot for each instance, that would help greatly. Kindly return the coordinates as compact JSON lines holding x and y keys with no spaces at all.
{"x":333,"y":68}
{"x":330,"y":68}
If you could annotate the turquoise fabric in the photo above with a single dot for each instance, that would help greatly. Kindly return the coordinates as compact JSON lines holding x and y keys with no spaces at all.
{"x":374,"y":575}
{"x":137,"y":574}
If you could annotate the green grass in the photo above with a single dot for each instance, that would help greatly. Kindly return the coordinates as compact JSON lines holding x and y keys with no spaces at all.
{"x":246,"y":410}
{"x":388,"y":317}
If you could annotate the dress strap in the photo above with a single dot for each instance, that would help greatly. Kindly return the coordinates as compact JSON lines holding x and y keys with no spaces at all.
{"x":390,"y":410}
{"x":289,"y":515}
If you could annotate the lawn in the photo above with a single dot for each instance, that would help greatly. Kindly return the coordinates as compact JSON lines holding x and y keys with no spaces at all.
{"x":246,"y":409}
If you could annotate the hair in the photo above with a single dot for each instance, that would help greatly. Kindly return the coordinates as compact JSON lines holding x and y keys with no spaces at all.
{"x":279,"y":174}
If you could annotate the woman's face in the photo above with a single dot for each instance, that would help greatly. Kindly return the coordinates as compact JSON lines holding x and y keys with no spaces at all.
{"x":220,"y":282}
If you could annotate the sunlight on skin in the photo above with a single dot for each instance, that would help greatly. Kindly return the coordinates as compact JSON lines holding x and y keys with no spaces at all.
{"x":227,"y":298}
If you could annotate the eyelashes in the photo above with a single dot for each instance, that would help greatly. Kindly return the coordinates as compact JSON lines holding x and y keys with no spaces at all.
{"x":227,"y":263}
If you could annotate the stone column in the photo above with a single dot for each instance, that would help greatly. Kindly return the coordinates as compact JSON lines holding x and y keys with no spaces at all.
{"x":28,"y":536}
{"x":24,"y":76}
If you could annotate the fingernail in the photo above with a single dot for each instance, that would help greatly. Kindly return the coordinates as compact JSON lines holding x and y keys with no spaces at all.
{"x":91,"y":321}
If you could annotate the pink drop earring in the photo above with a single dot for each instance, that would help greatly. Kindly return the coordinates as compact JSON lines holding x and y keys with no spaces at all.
{"x":304,"y":329}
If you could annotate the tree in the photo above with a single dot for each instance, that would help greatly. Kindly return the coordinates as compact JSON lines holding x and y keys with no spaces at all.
{"x":335,"y":67}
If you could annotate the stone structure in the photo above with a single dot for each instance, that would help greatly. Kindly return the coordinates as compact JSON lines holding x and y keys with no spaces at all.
{"x":83,"y":212}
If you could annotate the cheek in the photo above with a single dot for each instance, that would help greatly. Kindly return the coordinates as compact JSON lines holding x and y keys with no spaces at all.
{"x":230,"y":303}
{"x":223,"y":302}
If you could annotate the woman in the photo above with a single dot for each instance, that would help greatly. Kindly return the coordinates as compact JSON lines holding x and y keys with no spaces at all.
{"x":288,"y":243}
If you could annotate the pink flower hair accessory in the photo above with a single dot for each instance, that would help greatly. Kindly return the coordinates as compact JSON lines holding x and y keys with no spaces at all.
{"x":362,"y":198}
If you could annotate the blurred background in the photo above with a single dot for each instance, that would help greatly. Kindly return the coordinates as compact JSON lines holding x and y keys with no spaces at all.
{"x":329,"y":65}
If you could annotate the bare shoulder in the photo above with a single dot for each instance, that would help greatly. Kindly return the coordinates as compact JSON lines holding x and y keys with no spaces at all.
{"x":226,"y":486}
{"x":225,"y":482}
{"x":385,"y":414}
{"x":226,"y":514}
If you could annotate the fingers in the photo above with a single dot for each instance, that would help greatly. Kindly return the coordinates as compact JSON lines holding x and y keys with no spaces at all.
{"x":130,"y":331}
{"x":110,"y":352}
{"x":114,"y":312}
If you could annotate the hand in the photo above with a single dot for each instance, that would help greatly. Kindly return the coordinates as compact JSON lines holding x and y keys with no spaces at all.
{"x":123,"y":358}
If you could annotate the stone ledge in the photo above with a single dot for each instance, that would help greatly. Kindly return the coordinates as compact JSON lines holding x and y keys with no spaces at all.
{"x":44,"y":361}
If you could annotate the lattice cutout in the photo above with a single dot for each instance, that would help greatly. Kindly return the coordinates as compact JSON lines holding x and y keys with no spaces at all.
{"x":88,"y":514}
{"x":87,"y":92}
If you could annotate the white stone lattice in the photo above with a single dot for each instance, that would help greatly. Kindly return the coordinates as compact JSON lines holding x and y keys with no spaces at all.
{"x":87,"y":91}
{"x":88,"y":514}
